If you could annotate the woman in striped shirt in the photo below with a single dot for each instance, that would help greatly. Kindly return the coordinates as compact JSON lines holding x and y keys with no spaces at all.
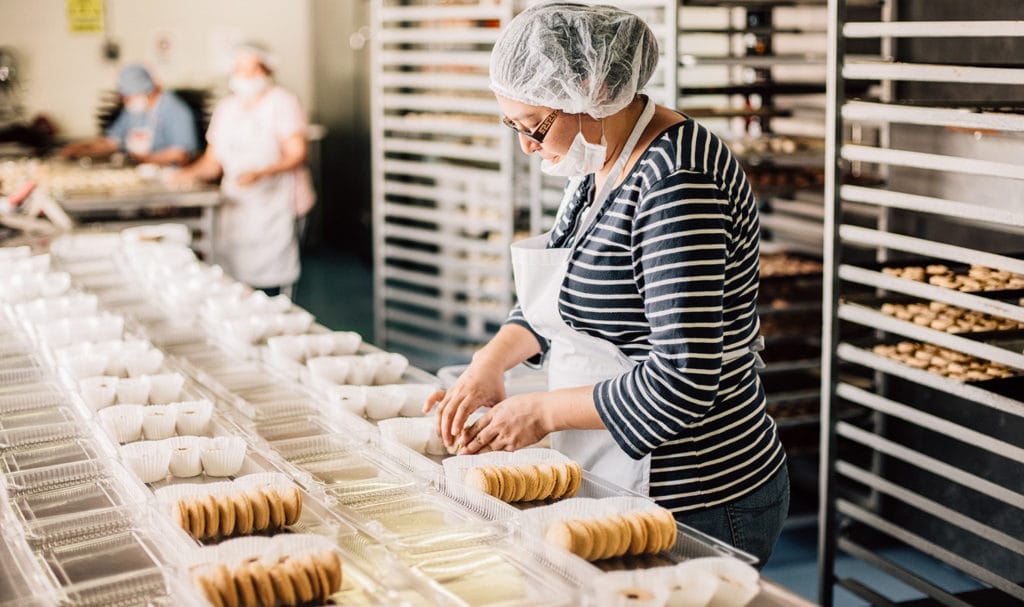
{"x":642,"y":300}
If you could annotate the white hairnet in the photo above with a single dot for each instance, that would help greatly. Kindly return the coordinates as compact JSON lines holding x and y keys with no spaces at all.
{"x":574,"y":58}
{"x":258,"y":50}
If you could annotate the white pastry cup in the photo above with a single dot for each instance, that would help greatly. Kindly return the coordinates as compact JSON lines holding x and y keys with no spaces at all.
{"x":193,"y":417}
{"x":133,"y":390}
{"x":738,"y":582}
{"x":223,"y":455}
{"x":123,"y":422}
{"x":165,"y":388}
{"x":98,"y":392}
{"x":384,"y":402}
{"x":159,"y":421}
{"x":149,"y":460}
{"x":186,"y":452}
{"x":348,"y":398}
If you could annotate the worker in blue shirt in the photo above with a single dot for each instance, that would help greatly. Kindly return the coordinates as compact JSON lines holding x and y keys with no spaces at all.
{"x":155,"y":126}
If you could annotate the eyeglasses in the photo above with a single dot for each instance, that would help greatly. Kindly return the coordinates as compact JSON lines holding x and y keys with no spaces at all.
{"x":538,"y":133}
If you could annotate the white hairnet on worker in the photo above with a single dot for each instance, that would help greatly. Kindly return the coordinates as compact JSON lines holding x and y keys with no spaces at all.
{"x":257,"y":50}
{"x":574,"y":58}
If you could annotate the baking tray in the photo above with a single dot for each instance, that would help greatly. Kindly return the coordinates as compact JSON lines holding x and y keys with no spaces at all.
{"x":954,"y":266}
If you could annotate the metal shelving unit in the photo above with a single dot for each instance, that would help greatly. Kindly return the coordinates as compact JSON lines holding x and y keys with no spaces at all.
{"x":936,"y":464}
{"x":442,"y":179}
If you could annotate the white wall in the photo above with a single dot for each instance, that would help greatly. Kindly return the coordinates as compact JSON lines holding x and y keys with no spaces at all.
{"x":63,"y":74}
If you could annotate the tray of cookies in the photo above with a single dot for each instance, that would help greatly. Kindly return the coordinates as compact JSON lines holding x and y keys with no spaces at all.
{"x":584,"y":536}
{"x":300,"y":569}
{"x":957,"y":276}
{"x":258,"y":504}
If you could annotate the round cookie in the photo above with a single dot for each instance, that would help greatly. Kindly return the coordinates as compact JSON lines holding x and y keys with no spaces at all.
{"x":261,"y":581}
{"x":637,"y":533}
{"x":245,"y":586}
{"x":624,"y":535}
{"x":243,"y":513}
{"x":329,"y":560}
{"x":531,"y":480}
{"x":225,"y":585}
{"x":561,"y":475}
{"x":654,"y":534}
{"x":600,"y":538}
{"x":575,"y":478}
{"x":179,"y":511}
{"x":283,"y":589}
{"x":496,"y":481}
{"x":211,"y":515}
{"x":517,"y":476}
{"x":226,"y":514}
{"x":669,"y":528}
{"x":300,"y":581}
{"x":582,"y":538}
{"x":546,"y":481}
{"x":260,"y":510}
{"x":559,"y":534}
{"x":276,"y":505}
{"x":209,"y":590}
{"x":476,"y":479}
{"x":308,"y":567}
{"x":196,"y":519}
{"x":292,"y":500}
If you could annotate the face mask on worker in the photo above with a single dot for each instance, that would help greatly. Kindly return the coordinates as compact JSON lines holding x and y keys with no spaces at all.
{"x":136,"y":104}
{"x":248,"y":87}
{"x":582,"y":157}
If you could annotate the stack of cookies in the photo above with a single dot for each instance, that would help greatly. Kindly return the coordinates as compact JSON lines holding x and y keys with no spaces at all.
{"x":527,"y":482}
{"x":256,"y":510}
{"x":944,"y":362}
{"x":977,"y":278}
{"x":638,"y":532}
{"x":311,"y":578}
{"x":951,"y":319}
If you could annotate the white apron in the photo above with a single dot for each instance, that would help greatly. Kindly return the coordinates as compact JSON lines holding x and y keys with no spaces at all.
{"x":574,"y":358}
{"x":255,"y":230}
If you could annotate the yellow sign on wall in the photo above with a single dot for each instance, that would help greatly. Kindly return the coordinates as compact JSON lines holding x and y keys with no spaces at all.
{"x":85,"y":16}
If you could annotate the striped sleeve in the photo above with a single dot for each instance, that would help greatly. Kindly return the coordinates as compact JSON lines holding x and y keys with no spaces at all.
{"x":680,"y":238}
{"x":515,"y":317}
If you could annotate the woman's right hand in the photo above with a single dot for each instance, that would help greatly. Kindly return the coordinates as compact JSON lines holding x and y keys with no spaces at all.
{"x":480,"y":385}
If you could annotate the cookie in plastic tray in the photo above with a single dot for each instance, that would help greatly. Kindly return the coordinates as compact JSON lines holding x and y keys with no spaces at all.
{"x":18,"y":288}
{"x":526,"y":475}
{"x":382,"y":401}
{"x":284,"y":570}
{"x":255,"y":504}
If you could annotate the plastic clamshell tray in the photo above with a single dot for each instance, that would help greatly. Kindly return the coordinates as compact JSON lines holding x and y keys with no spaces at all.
{"x":34,"y":397}
{"x":392,"y":516}
{"x":41,"y":446}
{"x":67,"y":490}
{"x":22,"y":581}
{"x":484,"y":570}
{"x":334,"y":463}
{"x":37,"y":417}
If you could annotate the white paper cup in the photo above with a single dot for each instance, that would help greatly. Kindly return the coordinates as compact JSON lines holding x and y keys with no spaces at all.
{"x":194,"y":417}
{"x":98,"y":392}
{"x":123,"y":422}
{"x":383,"y":402}
{"x":186,"y":452}
{"x":691,"y":587}
{"x":145,"y":363}
{"x":361,"y":371}
{"x":349,"y":398}
{"x":148,"y":460}
{"x":158,"y":421}
{"x":415,"y":397}
{"x":407,"y":432}
{"x":390,"y":367}
{"x":134,"y":390}
{"x":738,"y":583}
{"x":81,"y":366}
{"x":223,"y":455}
{"x":165,"y":388}
{"x":331,"y":369}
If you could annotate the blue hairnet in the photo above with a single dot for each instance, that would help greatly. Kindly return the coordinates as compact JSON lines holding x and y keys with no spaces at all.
{"x":575,"y":58}
{"x":134,"y":79}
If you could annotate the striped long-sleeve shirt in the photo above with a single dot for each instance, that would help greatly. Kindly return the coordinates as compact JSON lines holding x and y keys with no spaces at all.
{"x":668,"y":272}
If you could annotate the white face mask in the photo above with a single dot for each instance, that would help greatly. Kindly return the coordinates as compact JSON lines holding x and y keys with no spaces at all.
{"x":136,"y":104}
{"x":248,"y":87}
{"x":582,"y":158}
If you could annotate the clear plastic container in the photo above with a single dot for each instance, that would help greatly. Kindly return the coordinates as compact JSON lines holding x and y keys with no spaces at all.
{"x":333,"y":462}
{"x":30,"y":398}
{"x":75,"y":450}
{"x":421,"y":512}
{"x":150,"y":588}
{"x":39,"y":435}
{"x":126,"y":564}
{"x":37,"y":417}
{"x":22,"y":582}
{"x":56,"y":497}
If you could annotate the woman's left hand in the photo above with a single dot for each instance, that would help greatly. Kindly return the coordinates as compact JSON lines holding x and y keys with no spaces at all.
{"x":514,"y":423}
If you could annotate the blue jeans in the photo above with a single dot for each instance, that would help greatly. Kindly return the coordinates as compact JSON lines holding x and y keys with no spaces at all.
{"x":752,"y":523}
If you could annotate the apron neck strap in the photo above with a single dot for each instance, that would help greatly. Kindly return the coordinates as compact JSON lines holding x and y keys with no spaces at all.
{"x":620,"y":163}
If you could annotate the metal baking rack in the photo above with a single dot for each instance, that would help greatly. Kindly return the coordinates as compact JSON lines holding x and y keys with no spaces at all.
{"x":442,"y":179}
{"x":936,"y":463}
